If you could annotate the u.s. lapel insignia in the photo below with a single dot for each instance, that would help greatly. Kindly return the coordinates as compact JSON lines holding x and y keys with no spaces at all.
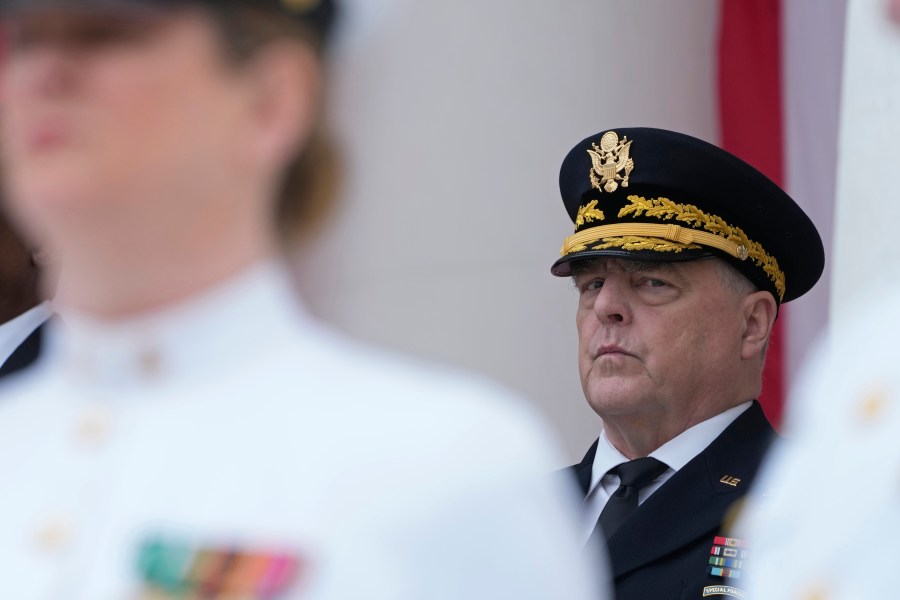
{"x":174,"y":569}
{"x":609,"y":159}
{"x":727,"y":557}
{"x":730,"y":480}
{"x":723,"y":590}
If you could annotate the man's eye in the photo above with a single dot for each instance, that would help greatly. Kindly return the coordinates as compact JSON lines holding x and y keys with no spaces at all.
{"x":655,"y":283}
{"x":593,"y":284}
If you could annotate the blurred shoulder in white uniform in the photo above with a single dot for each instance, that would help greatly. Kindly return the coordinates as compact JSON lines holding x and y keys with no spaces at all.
{"x":828,"y":504}
{"x":234,"y":431}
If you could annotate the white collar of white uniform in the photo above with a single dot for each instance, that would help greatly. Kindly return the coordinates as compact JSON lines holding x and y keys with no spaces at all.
{"x":675,"y":453}
{"x":214,"y":331}
{"x":15,"y":331}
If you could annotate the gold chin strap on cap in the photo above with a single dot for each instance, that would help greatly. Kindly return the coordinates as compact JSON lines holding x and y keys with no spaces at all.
{"x":671,"y":232}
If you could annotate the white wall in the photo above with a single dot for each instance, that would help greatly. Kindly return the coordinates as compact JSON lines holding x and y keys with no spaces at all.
{"x":867,"y":252}
{"x":455,"y":117}
{"x":813,"y":52}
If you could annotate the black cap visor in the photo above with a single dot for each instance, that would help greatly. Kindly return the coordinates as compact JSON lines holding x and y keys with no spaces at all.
{"x":564,"y":266}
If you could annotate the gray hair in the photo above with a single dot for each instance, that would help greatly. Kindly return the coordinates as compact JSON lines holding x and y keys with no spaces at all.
{"x":734,"y":279}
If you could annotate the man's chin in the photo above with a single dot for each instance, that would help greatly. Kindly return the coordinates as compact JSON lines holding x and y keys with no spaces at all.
{"x":616,"y":396}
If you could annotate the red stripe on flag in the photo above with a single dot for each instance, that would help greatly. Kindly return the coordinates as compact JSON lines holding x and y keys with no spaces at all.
{"x":750,"y":115}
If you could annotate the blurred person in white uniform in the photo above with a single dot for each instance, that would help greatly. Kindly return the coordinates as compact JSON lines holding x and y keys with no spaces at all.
{"x":191,"y":432}
{"x":827,"y":505}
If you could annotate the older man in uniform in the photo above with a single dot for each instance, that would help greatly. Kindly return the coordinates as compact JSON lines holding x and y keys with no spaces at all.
{"x":191,"y":431}
{"x":682,"y":255}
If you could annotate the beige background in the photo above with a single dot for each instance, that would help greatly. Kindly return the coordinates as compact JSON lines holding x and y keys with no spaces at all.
{"x":455,"y":117}
{"x":867,"y":255}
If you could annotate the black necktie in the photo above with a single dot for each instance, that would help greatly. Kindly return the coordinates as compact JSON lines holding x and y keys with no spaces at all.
{"x":634,"y":475}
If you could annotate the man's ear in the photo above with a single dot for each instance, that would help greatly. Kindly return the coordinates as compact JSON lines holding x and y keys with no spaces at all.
{"x":758,"y":311}
{"x":285,"y":80}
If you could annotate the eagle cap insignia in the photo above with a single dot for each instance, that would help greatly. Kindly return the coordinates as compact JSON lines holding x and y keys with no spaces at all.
{"x":609,"y":159}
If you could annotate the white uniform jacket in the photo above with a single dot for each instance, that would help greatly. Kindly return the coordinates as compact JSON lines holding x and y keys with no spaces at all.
{"x":826,"y":510}
{"x":231,"y":447}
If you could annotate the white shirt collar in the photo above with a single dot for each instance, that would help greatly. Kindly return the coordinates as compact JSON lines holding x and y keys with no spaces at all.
{"x":675,"y":453}
{"x":15,"y":331}
{"x":253,"y":312}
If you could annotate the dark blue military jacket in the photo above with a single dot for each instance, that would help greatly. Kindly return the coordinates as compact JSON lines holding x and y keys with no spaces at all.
{"x":674,"y":547}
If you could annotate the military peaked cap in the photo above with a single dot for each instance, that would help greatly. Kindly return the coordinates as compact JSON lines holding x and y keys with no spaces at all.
{"x":651,"y":194}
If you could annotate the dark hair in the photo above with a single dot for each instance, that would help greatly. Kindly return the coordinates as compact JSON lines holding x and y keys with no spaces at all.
{"x":310,"y":183}
{"x":19,"y":274}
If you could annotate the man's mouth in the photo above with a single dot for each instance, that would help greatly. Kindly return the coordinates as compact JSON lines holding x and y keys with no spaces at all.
{"x":611,"y":350}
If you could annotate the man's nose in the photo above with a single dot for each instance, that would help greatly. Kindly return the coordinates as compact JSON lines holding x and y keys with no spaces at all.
{"x":611,"y":304}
